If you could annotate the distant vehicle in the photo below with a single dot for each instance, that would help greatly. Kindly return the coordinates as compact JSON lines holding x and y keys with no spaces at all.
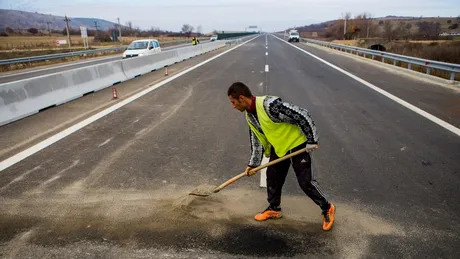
{"x":294,"y":36}
{"x":213,"y":37}
{"x":139,"y":48}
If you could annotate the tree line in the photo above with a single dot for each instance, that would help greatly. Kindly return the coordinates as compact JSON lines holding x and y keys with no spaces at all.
{"x":128,"y":30}
{"x":365,"y":26}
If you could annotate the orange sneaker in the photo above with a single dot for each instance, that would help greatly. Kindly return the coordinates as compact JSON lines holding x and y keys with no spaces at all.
{"x":268,"y":214}
{"x":328,"y":218}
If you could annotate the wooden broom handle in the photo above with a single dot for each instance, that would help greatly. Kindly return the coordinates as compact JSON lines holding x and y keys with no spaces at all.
{"x":222,"y":186}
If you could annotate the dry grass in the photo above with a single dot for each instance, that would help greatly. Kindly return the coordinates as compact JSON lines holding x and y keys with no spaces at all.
{"x":45,"y":42}
{"x":428,"y":41}
{"x":445,"y":52}
{"x":424,"y":50}
{"x":347,"y":42}
{"x":439,"y":50}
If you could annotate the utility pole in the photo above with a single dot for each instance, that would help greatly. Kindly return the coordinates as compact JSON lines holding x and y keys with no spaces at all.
{"x":95,"y":25}
{"x":119,"y":29}
{"x":345,"y":28}
{"x":67,"y":20}
{"x":49,"y":32}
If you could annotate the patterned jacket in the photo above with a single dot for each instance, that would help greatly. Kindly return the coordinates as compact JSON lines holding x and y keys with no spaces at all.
{"x":280,"y":111}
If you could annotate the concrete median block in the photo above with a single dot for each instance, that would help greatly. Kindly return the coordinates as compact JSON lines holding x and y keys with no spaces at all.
{"x":22,"y":98}
{"x":189,"y":52}
{"x":142,"y":65}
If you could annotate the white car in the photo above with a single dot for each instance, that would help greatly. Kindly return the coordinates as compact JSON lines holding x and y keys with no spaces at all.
{"x":294,"y":36}
{"x":139,"y":48}
{"x":213,"y":38}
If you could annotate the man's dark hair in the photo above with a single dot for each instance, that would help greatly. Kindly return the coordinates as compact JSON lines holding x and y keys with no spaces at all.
{"x":237,"y":89}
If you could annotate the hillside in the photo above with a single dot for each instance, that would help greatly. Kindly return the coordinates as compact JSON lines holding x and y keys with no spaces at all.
{"x":24,"y":20}
{"x":406,"y":27}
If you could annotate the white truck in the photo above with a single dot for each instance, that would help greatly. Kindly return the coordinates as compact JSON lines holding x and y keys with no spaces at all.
{"x":294,"y":36}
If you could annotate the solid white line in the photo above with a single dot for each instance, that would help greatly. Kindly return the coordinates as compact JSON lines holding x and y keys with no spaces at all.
{"x":55,"y":138}
{"x":266,"y":68}
{"x":263,"y":173}
{"x":411,"y":107}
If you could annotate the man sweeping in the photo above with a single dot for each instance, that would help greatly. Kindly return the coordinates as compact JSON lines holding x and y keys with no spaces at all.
{"x":277,"y":128}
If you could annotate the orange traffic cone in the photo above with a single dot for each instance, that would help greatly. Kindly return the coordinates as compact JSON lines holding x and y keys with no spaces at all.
{"x":114,"y":93}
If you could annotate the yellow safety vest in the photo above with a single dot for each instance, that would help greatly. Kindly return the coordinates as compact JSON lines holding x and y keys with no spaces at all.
{"x":282,"y":136}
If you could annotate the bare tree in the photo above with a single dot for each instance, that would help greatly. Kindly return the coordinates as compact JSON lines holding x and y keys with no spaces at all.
{"x":400,"y":30}
{"x":346,"y":17}
{"x":407,"y":30}
{"x":32,"y":30}
{"x":368,"y":17}
{"x":187,"y":29}
{"x":388,"y":30}
{"x":129,"y":24}
{"x":428,"y":30}
{"x":335,"y":29}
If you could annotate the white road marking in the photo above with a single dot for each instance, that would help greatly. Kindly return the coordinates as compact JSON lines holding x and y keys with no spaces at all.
{"x":263,"y":173}
{"x":105,"y":142}
{"x":261,"y":84}
{"x":266,"y":47}
{"x":409,"y":106}
{"x":41,"y":188}
{"x":19,"y":178}
{"x":266,"y":53}
{"x":55,"y":138}
{"x":266,"y":68}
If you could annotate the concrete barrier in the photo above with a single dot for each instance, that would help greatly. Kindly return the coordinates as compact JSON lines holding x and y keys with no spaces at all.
{"x":134,"y":67}
{"x":188,"y":52}
{"x":22,"y":98}
{"x":212,"y":46}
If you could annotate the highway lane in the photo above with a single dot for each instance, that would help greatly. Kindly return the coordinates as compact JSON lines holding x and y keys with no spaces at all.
{"x":121,"y":180}
{"x":70,"y":65}
{"x":442,"y":102}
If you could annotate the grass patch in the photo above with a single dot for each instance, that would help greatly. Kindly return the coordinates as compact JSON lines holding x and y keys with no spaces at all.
{"x":45,"y":42}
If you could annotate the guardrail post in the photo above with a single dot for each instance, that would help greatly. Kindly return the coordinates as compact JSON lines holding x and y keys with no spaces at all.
{"x":394,"y":62}
{"x":428,"y":70}
{"x":409,"y":66}
{"x":383,"y":60}
{"x":452,"y":76}
{"x":373,"y":57}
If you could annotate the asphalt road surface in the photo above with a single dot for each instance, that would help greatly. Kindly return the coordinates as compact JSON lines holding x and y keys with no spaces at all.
{"x":19,"y":75}
{"x":117,"y":188}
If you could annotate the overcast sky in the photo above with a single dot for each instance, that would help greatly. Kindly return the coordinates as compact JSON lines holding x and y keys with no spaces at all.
{"x":270,"y":15}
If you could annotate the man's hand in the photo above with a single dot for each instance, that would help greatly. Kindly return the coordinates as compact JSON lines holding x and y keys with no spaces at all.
{"x":249,"y":171}
{"x":309,"y":148}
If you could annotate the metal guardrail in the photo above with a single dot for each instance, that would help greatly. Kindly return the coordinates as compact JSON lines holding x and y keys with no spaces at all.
{"x":429,"y":64}
{"x":56,"y":56}
{"x":75,"y":53}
